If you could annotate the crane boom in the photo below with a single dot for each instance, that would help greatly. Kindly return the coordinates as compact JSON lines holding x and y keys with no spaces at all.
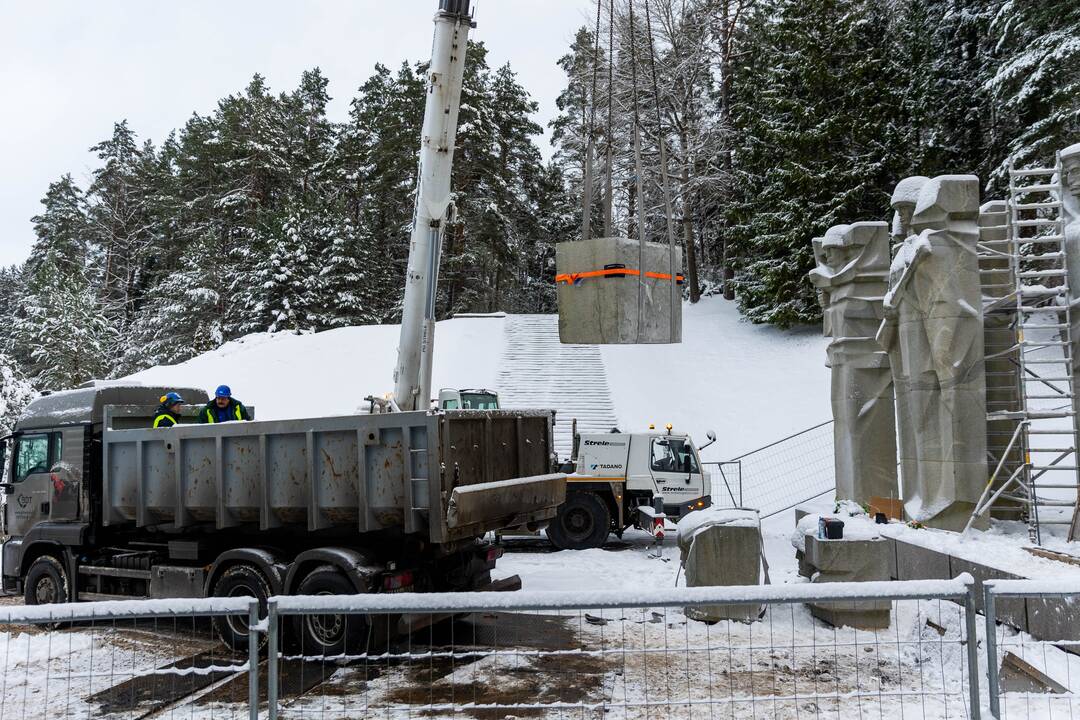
{"x":412,"y":375}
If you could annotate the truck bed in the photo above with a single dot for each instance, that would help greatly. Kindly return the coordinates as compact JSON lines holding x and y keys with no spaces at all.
{"x":449,"y":475}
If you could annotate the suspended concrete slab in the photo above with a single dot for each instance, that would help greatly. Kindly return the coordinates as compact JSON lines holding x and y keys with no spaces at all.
{"x":617,"y":291}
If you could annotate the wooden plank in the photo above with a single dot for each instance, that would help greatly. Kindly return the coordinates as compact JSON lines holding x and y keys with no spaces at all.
{"x":1053,"y":555}
{"x":1018,"y":675}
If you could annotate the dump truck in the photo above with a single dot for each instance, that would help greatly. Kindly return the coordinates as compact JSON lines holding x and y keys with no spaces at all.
{"x":100,"y":505}
{"x":612,"y":477}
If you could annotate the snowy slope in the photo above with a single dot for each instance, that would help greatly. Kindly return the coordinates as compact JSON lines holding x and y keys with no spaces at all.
{"x":751,"y":384}
{"x":329,"y":373}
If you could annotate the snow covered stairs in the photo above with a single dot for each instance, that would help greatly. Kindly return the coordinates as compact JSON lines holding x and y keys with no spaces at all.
{"x":538,"y":371}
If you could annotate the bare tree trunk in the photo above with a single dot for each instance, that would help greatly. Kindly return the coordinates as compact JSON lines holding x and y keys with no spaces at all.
{"x":689,"y":247}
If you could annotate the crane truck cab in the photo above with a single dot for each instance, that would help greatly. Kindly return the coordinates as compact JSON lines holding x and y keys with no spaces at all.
{"x":478,"y":399}
{"x":615,"y":473}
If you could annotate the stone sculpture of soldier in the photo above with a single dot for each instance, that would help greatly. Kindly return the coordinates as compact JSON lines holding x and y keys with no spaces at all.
{"x":934,"y":335}
{"x":851,"y":278}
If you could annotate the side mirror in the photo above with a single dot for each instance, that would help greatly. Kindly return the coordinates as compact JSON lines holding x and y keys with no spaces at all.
{"x":711,"y":434}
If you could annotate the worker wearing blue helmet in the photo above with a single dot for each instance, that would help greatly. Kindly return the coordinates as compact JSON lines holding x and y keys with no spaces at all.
{"x":223,"y":407}
{"x":168,"y":412}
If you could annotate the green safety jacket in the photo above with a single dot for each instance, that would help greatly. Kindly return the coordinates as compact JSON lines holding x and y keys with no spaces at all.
{"x":234,"y":410}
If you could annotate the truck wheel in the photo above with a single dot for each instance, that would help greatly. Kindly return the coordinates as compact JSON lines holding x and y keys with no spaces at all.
{"x":324,"y":635}
{"x":46,"y":582}
{"x":239,"y":581}
{"x":583,"y":521}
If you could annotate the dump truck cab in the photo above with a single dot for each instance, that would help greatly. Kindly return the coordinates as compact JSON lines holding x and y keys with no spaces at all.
{"x":53,"y":480}
{"x":614,"y":474}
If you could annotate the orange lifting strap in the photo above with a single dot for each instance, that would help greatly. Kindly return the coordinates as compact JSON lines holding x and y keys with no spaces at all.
{"x":575,"y":278}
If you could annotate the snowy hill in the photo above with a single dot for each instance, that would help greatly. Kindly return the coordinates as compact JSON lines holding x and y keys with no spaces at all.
{"x":751,"y":384}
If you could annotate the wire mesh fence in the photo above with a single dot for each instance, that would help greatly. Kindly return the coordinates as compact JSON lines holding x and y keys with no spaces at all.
{"x":706,"y":652}
{"x":1031,"y":678}
{"x":132,"y":659}
{"x":606,"y":655}
{"x":778,"y":476}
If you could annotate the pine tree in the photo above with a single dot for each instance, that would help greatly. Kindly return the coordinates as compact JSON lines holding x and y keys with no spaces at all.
{"x":1036,"y":85}
{"x":817,"y":109}
{"x":64,"y":332}
{"x":15,"y":393}
{"x":62,"y":230}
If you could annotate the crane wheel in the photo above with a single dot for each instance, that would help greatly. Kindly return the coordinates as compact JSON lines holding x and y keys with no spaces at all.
{"x":240,"y":580}
{"x":582,"y":522}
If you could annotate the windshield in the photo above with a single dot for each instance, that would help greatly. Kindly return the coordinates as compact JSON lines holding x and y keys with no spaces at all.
{"x":479,"y":401}
{"x":673,"y":455}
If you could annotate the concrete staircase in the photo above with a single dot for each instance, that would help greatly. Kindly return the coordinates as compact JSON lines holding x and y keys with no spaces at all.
{"x":538,"y":371}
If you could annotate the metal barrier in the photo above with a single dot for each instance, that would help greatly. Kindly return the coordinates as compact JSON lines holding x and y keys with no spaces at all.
{"x":1028,"y":677}
{"x":633,"y":655}
{"x":778,"y":476}
{"x":552,"y":654}
{"x":126,"y":659}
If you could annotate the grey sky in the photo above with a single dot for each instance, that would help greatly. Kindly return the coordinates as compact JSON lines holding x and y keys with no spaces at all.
{"x":69,"y":69}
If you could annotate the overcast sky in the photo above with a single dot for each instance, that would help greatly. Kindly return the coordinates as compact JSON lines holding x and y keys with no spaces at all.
{"x":69,"y":69}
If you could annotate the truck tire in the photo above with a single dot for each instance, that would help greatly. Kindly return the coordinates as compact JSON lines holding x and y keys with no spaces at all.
{"x":583,"y":521}
{"x":46,"y":582}
{"x":239,"y":581}
{"x":324,"y":635}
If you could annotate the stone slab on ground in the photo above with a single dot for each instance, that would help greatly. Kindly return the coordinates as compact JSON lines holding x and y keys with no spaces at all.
{"x":723,"y":553}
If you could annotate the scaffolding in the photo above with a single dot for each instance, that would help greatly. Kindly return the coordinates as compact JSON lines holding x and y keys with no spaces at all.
{"x":1031,"y":393}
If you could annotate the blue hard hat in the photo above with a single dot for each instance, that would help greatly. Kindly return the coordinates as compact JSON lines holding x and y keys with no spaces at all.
{"x":171,"y":398}
{"x":223,"y":391}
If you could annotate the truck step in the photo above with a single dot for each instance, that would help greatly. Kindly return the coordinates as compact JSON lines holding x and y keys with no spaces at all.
{"x":114,"y":572}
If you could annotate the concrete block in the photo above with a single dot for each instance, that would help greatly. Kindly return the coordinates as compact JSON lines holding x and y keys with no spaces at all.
{"x":914,"y":562}
{"x":1012,"y":611}
{"x":1053,"y":618}
{"x":723,"y":554}
{"x":850,"y":561}
{"x":599,"y":283}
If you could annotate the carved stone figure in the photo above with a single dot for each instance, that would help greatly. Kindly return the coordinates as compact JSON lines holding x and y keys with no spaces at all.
{"x":904,"y":197}
{"x":934,"y":335}
{"x":851,"y":278}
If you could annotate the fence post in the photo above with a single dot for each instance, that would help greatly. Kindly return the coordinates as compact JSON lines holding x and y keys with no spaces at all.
{"x":272,"y":660}
{"x":991,"y":649}
{"x":972,"y":650}
{"x":253,"y":660}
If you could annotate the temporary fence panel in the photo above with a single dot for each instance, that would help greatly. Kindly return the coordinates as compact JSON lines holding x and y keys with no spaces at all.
{"x":1029,"y":678}
{"x":780,"y":475}
{"x":620,"y":655}
{"x":130,"y":659}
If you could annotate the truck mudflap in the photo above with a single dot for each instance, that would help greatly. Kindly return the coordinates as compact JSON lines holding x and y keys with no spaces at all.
{"x":476,"y":509}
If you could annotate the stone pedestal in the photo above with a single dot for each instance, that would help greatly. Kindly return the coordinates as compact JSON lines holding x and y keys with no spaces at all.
{"x":722,"y":553}
{"x":862,"y":560}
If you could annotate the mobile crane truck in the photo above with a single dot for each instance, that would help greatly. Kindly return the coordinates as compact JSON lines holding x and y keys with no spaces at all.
{"x":99,"y":505}
{"x":612,"y":476}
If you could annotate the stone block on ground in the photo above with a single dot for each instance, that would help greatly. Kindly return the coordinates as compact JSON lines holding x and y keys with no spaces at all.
{"x":721,"y":547}
{"x":850,"y":560}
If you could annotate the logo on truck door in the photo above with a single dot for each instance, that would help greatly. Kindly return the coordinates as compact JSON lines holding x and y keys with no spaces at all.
{"x":605,"y":443}
{"x":24,"y":500}
{"x":603,"y":466}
